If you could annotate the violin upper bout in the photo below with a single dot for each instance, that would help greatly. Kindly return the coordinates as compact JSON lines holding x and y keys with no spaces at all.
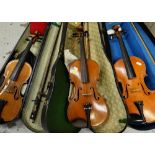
{"x":93,"y":70}
{"x":74,"y":71}
{"x":23,"y":75}
{"x":139,"y":66}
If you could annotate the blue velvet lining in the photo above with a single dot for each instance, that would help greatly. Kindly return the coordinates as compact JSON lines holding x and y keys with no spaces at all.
{"x":136,"y":48}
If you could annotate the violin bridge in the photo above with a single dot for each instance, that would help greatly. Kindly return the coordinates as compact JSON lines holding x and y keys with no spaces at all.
{"x":86,"y":94}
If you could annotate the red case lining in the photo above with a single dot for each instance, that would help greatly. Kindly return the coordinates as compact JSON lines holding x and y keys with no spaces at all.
{"x":38,"y":26}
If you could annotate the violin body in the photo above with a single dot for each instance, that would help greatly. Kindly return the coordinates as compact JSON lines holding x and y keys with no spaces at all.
{"x":86,"y":93}
{"x":10,"y":91}
{"x":135,"y":90}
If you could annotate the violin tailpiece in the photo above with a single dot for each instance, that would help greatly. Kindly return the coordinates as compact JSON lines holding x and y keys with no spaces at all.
{"x":139,"y":105}
{"x":87,"y":108}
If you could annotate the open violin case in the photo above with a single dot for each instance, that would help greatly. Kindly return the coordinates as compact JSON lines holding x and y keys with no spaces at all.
{"x":139,"y":42}
{"x":46,"y":95}
{"x":33,"y":58}
{"x":16,"y":54}
{"x":54,"y":118}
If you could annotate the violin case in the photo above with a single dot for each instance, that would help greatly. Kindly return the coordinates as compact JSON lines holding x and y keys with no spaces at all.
{"x":139,"y":42}
{"x":41,"y":51}
{"x":16,"y":54}
{"x":53,"y":120}
{"x":47,"y":91}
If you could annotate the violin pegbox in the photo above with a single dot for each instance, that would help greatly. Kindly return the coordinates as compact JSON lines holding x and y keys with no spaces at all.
{"x":37,"y":29}
{"x":113,"y":32}
{"x":39,"y":39}
{"x":117,"y":28}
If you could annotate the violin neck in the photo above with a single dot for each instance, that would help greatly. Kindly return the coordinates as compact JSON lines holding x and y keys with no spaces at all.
{"x":84,"y":68}
{"x":126,"y":59}
{"x":21,"y":61}
{"x":87,"y":40}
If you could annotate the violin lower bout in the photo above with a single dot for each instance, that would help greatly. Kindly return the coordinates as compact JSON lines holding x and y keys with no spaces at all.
{"x":12,"y":108}
{"x":135,"y":91}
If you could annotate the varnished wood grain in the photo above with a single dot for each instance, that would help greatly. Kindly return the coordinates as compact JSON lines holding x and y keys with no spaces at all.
{"x":10,"y":91}
{"x":75,"y":111}
{"x":135,"y":89}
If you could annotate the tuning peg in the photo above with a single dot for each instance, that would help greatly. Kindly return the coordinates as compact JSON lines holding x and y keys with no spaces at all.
{"x":119,"y":29}
{"x":41,"y":37}
{"x":27,"y":39}
{"x":111,"y":33}
{"x":39,"y":40}
{"x":86,"y":33}
{"x":75,"y":35}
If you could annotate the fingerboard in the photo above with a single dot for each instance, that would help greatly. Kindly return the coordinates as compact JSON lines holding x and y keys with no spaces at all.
{"x":21,"y":62}
{"x":126,"y":59}
{"x":84,"y":68}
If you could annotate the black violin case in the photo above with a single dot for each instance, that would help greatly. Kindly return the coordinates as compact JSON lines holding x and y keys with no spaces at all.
{"x":46,"y":95}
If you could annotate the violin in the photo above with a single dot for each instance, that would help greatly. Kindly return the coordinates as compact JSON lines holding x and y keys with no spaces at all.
{"x":16,"y":74}
{"x":130,"y":73}
{"x":86,"y":106}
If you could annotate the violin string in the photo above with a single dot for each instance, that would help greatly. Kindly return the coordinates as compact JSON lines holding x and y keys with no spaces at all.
{"x":144,"y":44}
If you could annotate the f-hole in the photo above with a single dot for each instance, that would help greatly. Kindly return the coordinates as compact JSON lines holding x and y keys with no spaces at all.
{"x":95,"y":96}
{"x":78,"y":93}
{"x":146,"y":92}
{"x":120,"y":87}
{"x":16,"y":93}
{"x":73,"y":91}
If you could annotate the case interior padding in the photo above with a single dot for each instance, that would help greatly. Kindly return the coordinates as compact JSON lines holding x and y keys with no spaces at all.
{"x":39,"y":27}
{"x":106,"y":84}
{"x":37,"y":80}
